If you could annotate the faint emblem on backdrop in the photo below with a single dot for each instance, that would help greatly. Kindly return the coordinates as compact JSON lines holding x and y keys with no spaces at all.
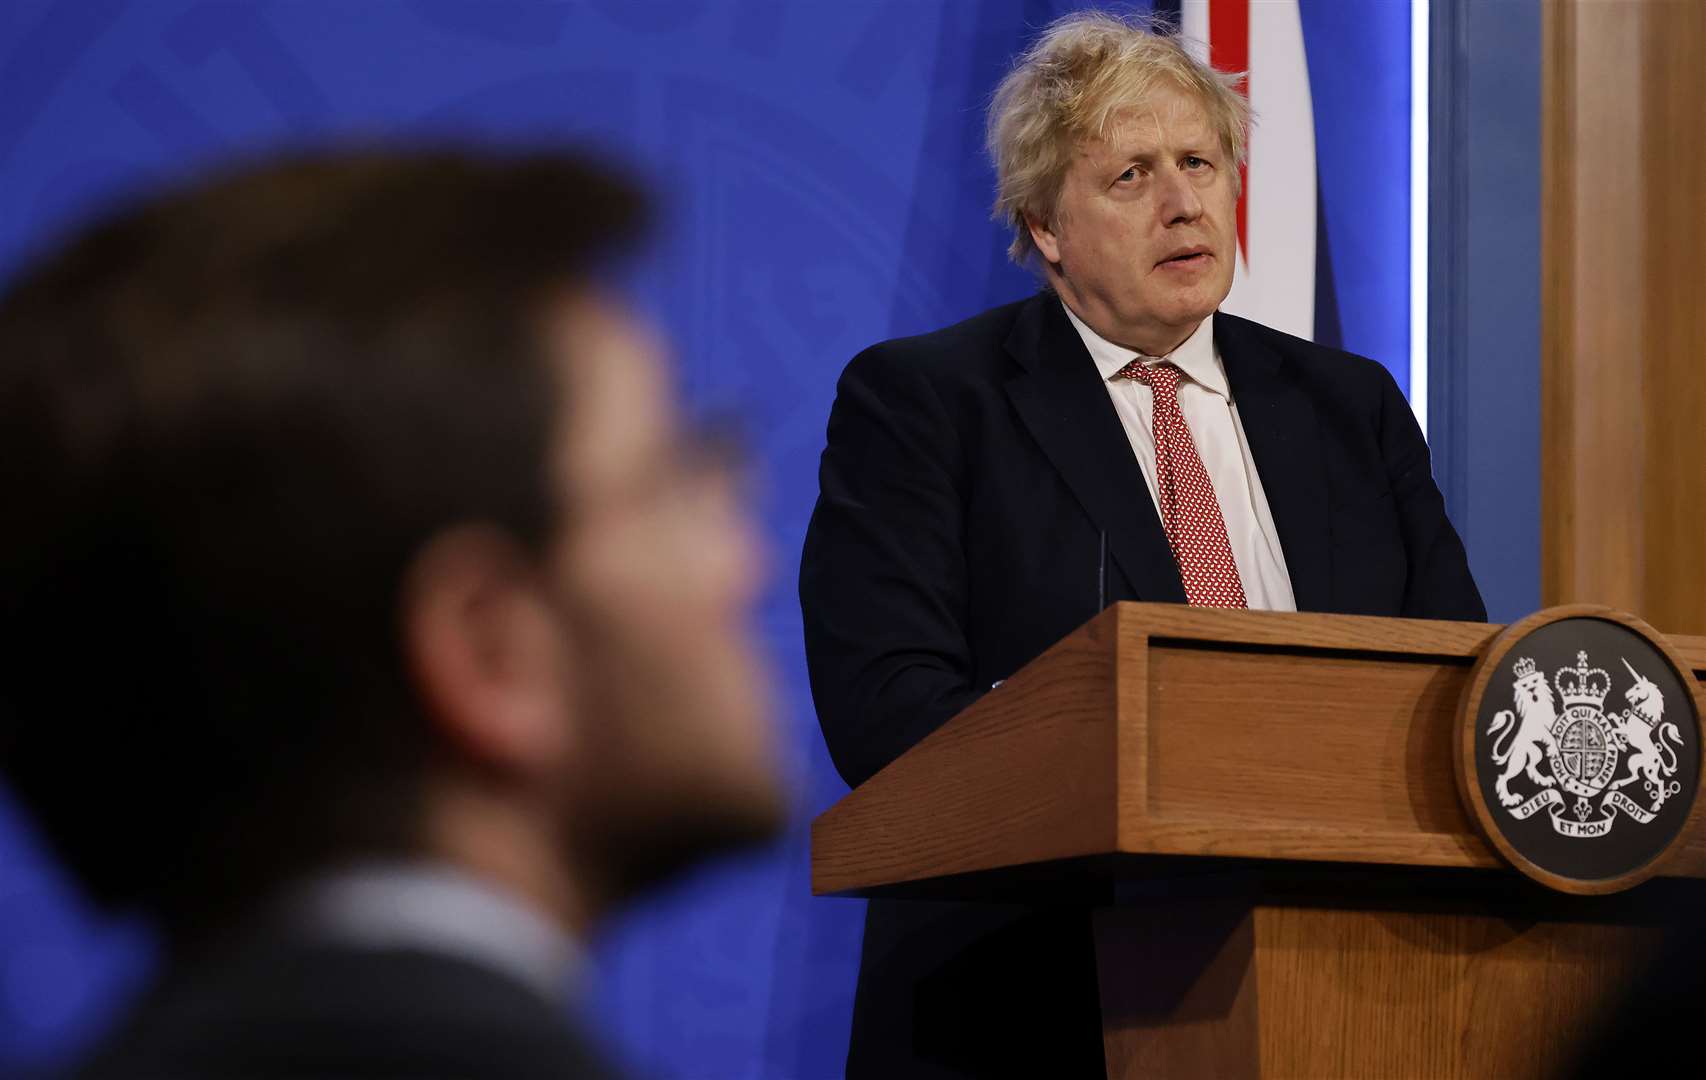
{"x":1592,"y":758}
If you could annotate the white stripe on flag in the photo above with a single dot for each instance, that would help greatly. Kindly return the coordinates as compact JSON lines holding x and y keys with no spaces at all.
{"x":1275,"y":284}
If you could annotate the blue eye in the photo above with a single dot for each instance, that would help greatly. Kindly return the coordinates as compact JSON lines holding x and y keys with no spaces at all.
{"x":1129,"y":174}
{"x":1195,"y":163}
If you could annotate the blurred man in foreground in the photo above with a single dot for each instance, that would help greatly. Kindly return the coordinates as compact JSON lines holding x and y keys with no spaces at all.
{"x":374,"y":624}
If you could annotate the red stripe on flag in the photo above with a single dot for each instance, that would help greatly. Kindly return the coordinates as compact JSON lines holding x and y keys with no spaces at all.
{"x":1229,"y":50}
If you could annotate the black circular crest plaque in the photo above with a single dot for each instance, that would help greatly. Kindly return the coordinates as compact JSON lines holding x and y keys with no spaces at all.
{"x":1579,"y":748}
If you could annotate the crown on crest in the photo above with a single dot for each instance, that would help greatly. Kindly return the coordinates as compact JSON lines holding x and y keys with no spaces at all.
{"x":1582,"y":685}
{"x":1524,"y":667}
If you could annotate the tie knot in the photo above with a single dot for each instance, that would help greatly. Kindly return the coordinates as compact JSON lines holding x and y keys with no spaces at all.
{"x":1163,"y":376}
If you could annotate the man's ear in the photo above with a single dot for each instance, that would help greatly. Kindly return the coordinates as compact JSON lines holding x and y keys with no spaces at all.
{"x":485,"y":651}
{"x":1042,"y":235}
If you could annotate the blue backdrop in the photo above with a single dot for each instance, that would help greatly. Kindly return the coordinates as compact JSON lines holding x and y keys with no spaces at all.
{"x":822,"y":172}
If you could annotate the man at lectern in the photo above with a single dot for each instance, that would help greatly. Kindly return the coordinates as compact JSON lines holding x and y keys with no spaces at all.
{"x":985,"y":487}
{"x":373,"y":620}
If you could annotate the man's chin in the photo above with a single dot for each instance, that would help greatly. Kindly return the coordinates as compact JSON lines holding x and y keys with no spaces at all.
{"x":1188,"y":312}
{"x":644,"y":855}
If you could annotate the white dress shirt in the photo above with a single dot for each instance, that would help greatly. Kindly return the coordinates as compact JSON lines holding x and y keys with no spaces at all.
{"x":437,"y":908}
{"x":1205,"y":399}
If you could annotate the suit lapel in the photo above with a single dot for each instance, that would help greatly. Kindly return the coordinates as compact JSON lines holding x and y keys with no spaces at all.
{"x":1060,"y":398}
{"x":1279,"y":422}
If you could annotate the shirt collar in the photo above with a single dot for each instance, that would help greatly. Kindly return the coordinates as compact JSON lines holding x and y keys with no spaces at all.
{"x":1196,"y":357}
{"x":434,"y":907}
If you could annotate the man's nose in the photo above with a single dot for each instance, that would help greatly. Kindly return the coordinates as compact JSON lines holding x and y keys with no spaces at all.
{"x":1178,"y":203}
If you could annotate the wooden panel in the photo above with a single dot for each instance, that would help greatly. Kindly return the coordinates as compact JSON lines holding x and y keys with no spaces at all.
{"x":1355,"y":745}
{"x":1592,"y":296}
{"x":1301,"y":632}
{"x":1432,"y":995}
{"x":1673,"y":398}
{"x":1182,"y":733}
{"x":1211,"y":733}
{"x":1178,"y":990}
{"x":1623,"y":332}
{"x":1212,"y":752}
{"x":1693,"y":652}
{"x":1341,"y":757}
{"x":1212,"y":987}
{"x":1025,"y":774}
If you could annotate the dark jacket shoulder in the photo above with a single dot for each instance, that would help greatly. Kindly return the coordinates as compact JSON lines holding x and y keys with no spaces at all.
{"x":964,"y":349}
{"x":290,"y":1009}
{"x":1358,"y":377}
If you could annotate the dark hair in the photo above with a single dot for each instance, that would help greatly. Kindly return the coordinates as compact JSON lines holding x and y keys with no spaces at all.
{"x":229,"y":418}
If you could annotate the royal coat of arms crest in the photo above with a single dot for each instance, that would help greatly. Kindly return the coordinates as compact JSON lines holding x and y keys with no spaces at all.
{"x":1559,"y":737}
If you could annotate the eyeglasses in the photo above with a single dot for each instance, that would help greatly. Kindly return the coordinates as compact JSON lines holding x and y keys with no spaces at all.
{"x":705,"y":470}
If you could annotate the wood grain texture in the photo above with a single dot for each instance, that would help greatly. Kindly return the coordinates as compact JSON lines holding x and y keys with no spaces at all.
{"x":1249,"y":984}
{"x":1162,"y":730}
{"x":1355,"y":747}
{"x":1673,"y":346}
{"x":1344,"y":930}
{"x":1692,"y":650}
{"x":1623,"y":389}
{"x":1025,"y":774}
{"x":1592,"y":293}
{"x":1178,"y":989}
{"x":1435,"y":995}
{"x":1288,"y":736}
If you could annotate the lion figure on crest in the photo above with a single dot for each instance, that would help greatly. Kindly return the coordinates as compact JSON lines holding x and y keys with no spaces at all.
{"x":1528,"y":731}
{"x":1643,"y":727}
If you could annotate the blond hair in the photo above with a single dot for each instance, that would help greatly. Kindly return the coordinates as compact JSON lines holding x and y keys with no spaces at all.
{"x":1069,"y":86}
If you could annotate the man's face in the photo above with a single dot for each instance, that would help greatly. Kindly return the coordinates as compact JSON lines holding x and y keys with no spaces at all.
{"x":657,"y":567}
{"x":1143,"y":240}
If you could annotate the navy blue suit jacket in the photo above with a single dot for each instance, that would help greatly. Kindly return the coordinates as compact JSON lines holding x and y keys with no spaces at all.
{"x":969,"y":478}
{"x":269,"y":1006}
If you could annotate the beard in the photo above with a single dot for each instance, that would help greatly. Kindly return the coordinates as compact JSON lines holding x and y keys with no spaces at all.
{"x":674,"y":758}
{"x":643,"y":851}
{"x":677,"y":767}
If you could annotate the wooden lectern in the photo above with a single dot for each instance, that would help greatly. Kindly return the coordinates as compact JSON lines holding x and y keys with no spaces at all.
{"x":1263,"y":809}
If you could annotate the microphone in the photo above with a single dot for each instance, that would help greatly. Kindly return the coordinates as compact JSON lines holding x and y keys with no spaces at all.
{"x":1101,"y":585}
{"x":1102,"y":575}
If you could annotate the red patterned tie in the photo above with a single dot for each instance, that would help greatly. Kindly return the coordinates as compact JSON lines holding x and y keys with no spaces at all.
{"x":1189,"y":511}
